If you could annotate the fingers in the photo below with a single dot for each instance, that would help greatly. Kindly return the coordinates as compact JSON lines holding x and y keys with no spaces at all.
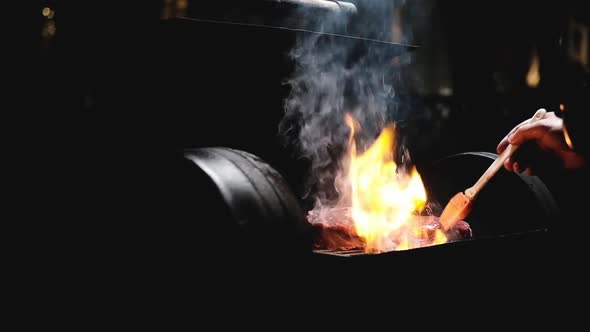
{"x":509,"y":165}
{"x":502,"y":145}
{"x":529,"y":131}
{"x":518,"y":126}
{"x":504,"y":142}
{"x":516,"y":167}
{"x":538,"y":129}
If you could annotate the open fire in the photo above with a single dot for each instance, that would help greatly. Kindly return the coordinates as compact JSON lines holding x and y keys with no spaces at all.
{"x":382,"y":205}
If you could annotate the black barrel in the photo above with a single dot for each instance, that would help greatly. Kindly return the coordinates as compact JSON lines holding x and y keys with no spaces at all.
{"x":511,"y":242}
{"x":252,"y":209}
{"x":510,"y":203}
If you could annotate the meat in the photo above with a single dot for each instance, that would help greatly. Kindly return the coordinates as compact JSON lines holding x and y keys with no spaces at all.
{"x":429,"y":225}
{"x":334,"y":230}
{"x":461,"y":231}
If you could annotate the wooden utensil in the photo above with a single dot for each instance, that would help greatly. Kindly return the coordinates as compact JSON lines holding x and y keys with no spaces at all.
{"x":460,"y":205}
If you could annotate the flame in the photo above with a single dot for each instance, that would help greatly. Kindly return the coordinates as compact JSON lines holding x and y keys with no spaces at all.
{"x":386,"y":199}
{"x":533,"y":76}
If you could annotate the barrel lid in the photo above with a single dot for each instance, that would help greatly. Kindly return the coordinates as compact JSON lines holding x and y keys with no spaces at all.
{"x":225,"y":29}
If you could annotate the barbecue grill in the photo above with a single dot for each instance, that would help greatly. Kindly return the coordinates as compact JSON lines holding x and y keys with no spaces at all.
{"x":261,"y":204}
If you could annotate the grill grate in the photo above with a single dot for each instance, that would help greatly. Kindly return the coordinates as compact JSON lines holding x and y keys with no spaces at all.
{"x":342,"y":253}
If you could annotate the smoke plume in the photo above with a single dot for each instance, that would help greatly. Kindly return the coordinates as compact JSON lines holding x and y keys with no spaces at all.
{"x":335,"y":75}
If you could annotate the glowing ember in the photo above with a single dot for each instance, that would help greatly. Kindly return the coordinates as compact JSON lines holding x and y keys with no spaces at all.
{"x":386,"y":199}
{"x":533,"y":76}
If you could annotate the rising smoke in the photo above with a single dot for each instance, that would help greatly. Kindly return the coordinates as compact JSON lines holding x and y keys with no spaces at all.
{"x":337,"y":75}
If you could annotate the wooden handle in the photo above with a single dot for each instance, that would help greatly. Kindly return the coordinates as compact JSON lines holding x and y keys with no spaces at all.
{"x":497,"y":164}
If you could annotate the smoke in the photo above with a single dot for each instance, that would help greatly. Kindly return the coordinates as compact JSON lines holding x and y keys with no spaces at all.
{"x":335,"y":75}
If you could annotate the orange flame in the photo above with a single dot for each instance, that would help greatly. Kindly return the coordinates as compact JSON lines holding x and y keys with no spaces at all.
{"x":386,"y":200}
{"x":533,"y":76}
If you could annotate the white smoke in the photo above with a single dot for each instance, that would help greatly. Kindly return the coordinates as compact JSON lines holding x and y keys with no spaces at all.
{"x":335,"y":75}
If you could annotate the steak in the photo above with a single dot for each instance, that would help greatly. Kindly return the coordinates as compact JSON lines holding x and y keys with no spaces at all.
{"x":333,"y":229}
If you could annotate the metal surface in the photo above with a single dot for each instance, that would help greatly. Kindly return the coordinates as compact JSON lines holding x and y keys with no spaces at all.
{"x":516,"y":259}
{"x":262,"y":210}
{"x":531,"y":205}
{"x":336,"y":6}
{"x":266,"y":226}
{"x":298,"y":14}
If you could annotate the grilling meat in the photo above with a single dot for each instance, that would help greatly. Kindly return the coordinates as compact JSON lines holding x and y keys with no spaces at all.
{"x":334,"y":229}
{"x":430,"y":224}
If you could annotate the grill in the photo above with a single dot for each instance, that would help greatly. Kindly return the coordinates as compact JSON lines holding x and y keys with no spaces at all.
{"x":263,"y":207}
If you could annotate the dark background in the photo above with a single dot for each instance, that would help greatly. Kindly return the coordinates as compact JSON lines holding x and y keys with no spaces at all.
{"x":471,"y":66}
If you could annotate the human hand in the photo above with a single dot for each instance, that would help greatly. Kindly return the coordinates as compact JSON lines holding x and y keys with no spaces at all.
{"x":547,"y":133}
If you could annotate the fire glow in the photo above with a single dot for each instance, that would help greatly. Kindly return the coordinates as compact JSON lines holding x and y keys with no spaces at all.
{"x":386,"y":199}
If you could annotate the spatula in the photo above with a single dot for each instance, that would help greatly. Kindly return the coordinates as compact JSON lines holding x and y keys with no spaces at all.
{"x":459,"y":206}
